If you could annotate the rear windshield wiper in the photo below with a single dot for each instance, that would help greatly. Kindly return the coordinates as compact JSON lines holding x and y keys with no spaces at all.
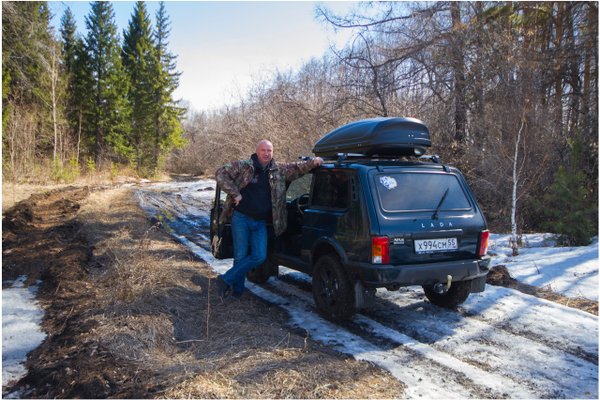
{"x":437,"y":209}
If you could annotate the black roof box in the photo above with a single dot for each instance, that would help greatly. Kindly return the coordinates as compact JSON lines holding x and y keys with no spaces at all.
{"x":376,"y":137}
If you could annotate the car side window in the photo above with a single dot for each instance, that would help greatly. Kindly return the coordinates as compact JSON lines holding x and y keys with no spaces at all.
{"x":331,"y":189}
{"x":299,"y":187}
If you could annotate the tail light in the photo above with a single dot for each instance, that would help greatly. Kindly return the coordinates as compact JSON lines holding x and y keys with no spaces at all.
{"x":484,"y":240}
{"x":380,"y":250}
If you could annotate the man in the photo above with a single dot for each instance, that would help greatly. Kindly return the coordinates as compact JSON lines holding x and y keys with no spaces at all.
{"x":256,"y":192}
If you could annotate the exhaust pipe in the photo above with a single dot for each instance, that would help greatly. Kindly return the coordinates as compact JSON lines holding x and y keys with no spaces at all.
{"x":439,"y":288}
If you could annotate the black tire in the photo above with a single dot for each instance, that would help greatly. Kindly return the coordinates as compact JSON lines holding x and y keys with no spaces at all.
{"x":458,"y":293}
{"x":332,"y":290}
{"x":262,"y":273}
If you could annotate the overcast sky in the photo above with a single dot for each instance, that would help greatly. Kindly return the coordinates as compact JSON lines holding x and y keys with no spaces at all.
{"x":222,"y":46}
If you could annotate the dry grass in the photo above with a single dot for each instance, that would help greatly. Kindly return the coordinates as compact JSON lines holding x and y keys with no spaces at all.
{"x":287,"y":373}
{"x":157,"y":308}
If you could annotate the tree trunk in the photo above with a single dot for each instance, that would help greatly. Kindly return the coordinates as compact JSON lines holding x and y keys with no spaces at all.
{"x":559,"y":70}
{"x":53,"y":83}
{"x":79,"y":133}
{"x":515,"y":182}
{"x":591,"y":50}
{"x":460,"y":109}
{"x":574,"y":75}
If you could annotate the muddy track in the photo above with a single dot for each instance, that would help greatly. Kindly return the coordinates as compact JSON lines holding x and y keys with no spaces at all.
{"x":42,"y":239}
{"x":496,"y":345}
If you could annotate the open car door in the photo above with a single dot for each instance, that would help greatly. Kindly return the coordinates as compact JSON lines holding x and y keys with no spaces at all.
{"x":220,"y":232}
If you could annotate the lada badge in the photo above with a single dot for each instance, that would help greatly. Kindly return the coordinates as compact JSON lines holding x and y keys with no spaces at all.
{"x":436,"y":224}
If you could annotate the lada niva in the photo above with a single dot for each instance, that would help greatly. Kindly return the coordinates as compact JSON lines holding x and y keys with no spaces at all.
{"x":376,"y":214}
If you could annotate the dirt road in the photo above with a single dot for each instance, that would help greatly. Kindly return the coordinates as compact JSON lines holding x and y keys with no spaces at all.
{"x":132,"y":313}
{"x":500,"y":343}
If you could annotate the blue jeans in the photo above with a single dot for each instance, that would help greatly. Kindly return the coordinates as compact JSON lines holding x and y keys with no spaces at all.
{"x":248,"y":234}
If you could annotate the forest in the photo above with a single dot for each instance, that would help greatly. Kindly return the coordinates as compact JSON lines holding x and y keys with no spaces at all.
{"x":73,"y":103}
{"x":509,"y":91}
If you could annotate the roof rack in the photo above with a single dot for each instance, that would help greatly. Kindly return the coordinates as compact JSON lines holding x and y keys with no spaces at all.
{"x":341,"y":157}
{"x":433,"y":158}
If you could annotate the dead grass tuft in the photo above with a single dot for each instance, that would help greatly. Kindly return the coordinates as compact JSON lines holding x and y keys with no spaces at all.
{"x":134,"y":274}
{"x":288,"y":373}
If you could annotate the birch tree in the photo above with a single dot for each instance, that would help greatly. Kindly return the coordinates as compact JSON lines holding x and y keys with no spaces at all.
{"x":516,"y":172}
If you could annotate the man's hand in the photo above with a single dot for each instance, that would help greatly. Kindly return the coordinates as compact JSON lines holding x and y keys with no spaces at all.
{"x":237,"y":199}
{"x":317,"y":161}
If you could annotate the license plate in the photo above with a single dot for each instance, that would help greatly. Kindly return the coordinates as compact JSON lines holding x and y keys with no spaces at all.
{"x":435,"y":245}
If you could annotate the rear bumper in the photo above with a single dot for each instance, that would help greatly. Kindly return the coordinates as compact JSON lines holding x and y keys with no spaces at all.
{"x":419,"y":274}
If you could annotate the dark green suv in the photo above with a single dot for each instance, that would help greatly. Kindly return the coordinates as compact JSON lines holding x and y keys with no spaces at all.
{"x":376,"y":218}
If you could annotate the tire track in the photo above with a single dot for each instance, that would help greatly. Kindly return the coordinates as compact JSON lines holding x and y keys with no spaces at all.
{"x":476,"y":342}
{"x":480,"y":351}
{"x":499,"y":384}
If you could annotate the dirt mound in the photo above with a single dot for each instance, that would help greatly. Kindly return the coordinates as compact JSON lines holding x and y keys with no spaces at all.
{"x":35,"y":229}
{"x":130,"y":313}
{"x":499,"y":276}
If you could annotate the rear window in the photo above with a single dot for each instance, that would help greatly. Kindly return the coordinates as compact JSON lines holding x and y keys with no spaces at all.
{"x":420,"y":192}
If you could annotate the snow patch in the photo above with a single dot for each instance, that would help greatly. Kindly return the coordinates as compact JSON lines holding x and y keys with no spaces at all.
{"x":21,"y":332}
{"x":570,"y":271}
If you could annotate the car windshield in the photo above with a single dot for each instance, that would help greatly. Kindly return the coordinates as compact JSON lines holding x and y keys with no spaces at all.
{"x":414,"y":191}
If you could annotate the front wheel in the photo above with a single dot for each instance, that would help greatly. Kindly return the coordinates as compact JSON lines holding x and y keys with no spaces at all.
{"x":457,"y":294}
{"x":332,"y":290}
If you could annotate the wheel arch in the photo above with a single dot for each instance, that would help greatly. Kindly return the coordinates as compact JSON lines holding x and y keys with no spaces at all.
{"x":327,"y":246}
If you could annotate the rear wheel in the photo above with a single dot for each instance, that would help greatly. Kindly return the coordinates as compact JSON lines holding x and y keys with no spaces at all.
{"x":457,"y":294}
{"x":263,"y":272}
{"x":332,"y":290}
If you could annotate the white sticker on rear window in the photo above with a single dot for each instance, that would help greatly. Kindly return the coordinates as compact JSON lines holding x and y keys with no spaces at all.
{"x":389,"y":182}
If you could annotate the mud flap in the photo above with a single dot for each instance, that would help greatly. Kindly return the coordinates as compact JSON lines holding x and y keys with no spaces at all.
{"x":478,"y":284}
{"x":363,"y":298}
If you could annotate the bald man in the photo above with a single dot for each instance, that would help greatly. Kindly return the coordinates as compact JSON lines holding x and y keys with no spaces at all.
{"x":256,"y":192}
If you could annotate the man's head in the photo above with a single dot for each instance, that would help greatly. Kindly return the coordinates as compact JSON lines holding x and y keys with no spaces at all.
{"x":264,"y":152}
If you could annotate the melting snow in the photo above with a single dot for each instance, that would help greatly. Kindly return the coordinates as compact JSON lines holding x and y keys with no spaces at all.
{"x":21,"y":332}
{"x":571,"y":271}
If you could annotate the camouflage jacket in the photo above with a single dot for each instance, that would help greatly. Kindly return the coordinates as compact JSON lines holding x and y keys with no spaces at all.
{"x":235,"y":176}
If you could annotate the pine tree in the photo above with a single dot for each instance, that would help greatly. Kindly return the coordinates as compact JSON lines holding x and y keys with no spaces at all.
{"x":29,"y":66}
{"x":108,"y":122}
{"x":139,"y":59}
{"x":568,"y":206}
{"x":23,"y":54}
{"x":81,"y":99}
{"x":168,"y":132}
{"x":68,"y":31}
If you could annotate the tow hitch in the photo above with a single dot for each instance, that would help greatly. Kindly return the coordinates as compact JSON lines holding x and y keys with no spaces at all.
{"x":440,"y":288}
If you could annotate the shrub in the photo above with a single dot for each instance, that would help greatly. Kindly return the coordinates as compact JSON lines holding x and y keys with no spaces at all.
{"x":569,"y":208}
{"x":65,"y":173}
{"x":91,"y":166}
